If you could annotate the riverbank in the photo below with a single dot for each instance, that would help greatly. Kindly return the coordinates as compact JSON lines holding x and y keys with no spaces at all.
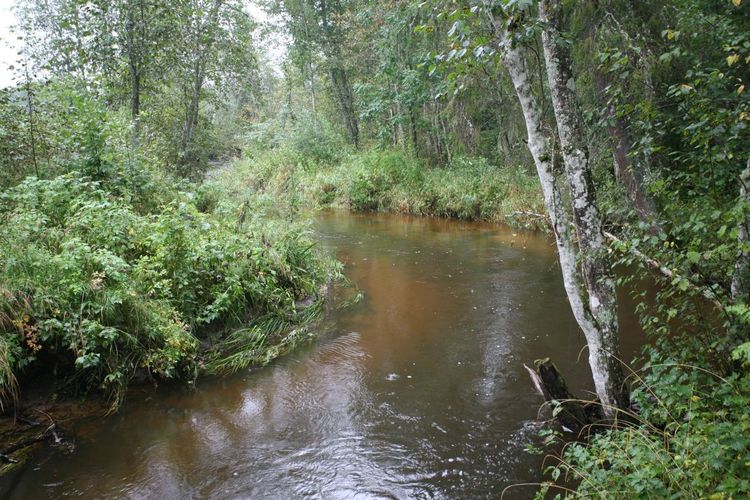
{"x":123,"y":281}
{"x":466,"y":188}
{"x":135,"y":275}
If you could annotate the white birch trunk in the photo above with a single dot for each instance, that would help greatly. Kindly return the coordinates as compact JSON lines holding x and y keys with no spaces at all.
{"x":603,"y":344}
{"x":601,"y":329}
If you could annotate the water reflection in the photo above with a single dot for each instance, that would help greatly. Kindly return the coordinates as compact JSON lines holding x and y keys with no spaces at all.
{"x":416,"y":391}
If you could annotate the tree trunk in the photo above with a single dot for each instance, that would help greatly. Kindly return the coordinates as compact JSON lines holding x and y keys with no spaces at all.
{"x":629,"y":173}
{"x":193,"y":107}
{"x":30,"y":111}
{"x":133,"y":63}
{"x":413,"y":129}
{"x":339,"y":79}
{"x":313,"y":93}
{"x":202,"y":50}
{"x":345,"y":102}
{"x":311,"y":70}
{"x":573,"y":414}
{"x":602,"y":330}
{"x":740,"y":288}
{"x":540,"y":145}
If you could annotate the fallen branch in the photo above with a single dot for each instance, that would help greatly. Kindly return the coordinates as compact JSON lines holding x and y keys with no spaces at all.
{"x":52,"y":434}
{"x":524,"y":213}
{"x":25,"y":443}
{"x":666,"y":272}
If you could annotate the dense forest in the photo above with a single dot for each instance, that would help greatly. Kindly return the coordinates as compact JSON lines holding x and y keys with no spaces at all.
{"x":162,"y":161}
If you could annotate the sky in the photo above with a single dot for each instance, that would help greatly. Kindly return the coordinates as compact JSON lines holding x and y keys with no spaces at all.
{"x":7,"y":42}
{"x":275,"y":48}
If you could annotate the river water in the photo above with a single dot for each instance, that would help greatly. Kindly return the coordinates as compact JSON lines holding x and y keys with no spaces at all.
{"x":417,"y":391}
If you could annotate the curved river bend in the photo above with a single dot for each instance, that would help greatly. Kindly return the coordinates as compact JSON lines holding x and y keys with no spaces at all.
{"x":417,"y":391}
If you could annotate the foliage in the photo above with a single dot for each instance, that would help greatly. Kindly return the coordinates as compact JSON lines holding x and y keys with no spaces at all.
{"x":100,"y":290}
{"x":680,"y":91}
{"x":690,"y":439}
{"x":113,"y":263}
{"x":170,"y":65}
{"x":307,"y":140}
{"x":392,"y":180}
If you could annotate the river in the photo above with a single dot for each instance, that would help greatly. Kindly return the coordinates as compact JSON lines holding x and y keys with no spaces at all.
{"x":416,"y":391}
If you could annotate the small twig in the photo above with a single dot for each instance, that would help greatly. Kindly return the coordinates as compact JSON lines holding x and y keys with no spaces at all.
{"x":524,"y":213}
{"x":666,"y":272}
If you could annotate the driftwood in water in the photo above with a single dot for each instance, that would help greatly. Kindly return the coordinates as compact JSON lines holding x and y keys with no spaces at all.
{"x":572,"y":413}
{"x":51,"y":434}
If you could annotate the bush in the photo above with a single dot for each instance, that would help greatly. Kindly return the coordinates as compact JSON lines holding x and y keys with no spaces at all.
{"x":690,"y":439}
{"x":307,"y":141}
{"x":104,"y":290}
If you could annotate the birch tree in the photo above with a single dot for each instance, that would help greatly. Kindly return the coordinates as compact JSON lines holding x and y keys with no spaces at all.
{"x":586,"y":273}
{"x":602,"y":331}
{"x":740,"y":286}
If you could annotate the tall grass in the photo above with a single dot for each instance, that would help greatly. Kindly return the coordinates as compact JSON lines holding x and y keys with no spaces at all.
{"x":466,"y":188}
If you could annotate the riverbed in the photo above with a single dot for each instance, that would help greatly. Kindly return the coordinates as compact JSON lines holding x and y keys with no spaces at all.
{"x":416,"y":391}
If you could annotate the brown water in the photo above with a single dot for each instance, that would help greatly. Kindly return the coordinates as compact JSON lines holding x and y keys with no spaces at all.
{"x":416,"y":391}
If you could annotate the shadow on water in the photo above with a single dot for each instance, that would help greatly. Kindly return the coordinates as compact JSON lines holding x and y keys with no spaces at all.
{"x":416,"y":391}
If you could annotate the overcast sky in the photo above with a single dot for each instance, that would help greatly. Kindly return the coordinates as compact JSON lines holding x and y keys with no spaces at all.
{"x":7,"y":42}
{"x":8,"y":47}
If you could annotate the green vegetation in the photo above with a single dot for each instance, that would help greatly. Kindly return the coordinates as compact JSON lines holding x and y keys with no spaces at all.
{"x":328,"y":174}
{"x":662,"y":112}
{"x":115,"y":268}
{"x":94,"y":286}
{"x":626,"y":125}
{"x":690,"y":436}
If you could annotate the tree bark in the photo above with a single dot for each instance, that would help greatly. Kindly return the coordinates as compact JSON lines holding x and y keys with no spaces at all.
{"x":345,"y":101}
{"x":629,"y":173}
{"x":202,"y":48}
{"x":740,"y":288}
{"x":339,"y":79}
{"x":540,"y":145}
{"x":593,"y":308}
{"x":30,"y":112}
{"x":602,"y":329}
{"x":133,"y":63}
{"x":572,"y":413}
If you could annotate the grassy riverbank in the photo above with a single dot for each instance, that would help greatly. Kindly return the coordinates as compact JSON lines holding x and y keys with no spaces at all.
{"x":469,"y":188}
{"x":133,"y":273}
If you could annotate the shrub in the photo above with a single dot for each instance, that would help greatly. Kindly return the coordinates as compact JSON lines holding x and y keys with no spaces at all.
{"x":103,"y":290}
{"x":307,"y":141}
{"x":690,"y":439}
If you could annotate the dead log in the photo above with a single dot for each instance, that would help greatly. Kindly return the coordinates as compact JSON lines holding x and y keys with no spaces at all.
{"x":5,"y":455}
{"x":573,"y":414}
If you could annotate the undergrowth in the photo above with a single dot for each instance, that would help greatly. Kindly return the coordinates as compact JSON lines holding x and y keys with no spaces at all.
{"x":687,"y":436}
{"x":99,"y":282}
{"x":390,"y":180}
